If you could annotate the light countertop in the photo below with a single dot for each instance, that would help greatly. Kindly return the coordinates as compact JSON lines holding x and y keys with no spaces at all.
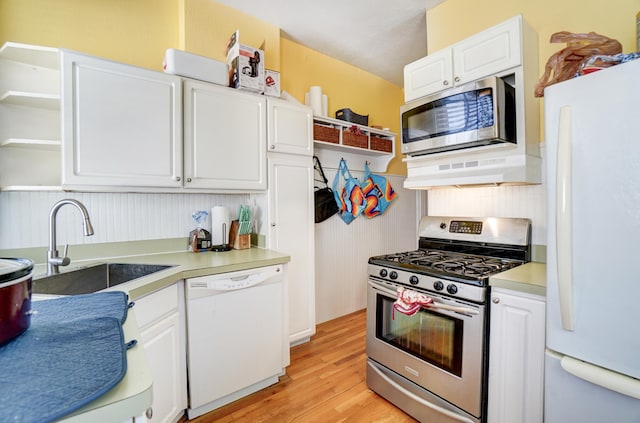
{"x":133,"y":395}
{"x":530,"y":278}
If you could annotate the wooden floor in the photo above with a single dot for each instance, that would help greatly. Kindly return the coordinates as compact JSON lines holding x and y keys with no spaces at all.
{"x":324,"y":383}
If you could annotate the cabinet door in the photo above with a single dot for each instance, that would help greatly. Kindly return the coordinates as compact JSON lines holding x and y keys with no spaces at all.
{"x":291,"y":216}
{"x":225,"y":138}
{"x":516,"y":358}
{"x":489,"y":52}
{"x":161,"y":318}
{"x":122,"y":125}
{"x":428,"y":75}
{"x":289,"y":128}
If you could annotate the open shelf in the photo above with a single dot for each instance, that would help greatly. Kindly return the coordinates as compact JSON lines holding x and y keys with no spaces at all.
{"x":335,"y":139}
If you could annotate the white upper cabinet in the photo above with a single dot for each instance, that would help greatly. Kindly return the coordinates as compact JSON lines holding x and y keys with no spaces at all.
{"x":289,"y":128}
{"x":489,"y":52}
{"x":428,"y":75}
{"x":122,"y":125}
{"x":225,"y":138}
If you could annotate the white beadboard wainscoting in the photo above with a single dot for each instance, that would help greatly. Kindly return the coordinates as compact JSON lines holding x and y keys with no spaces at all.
{"x":527,"y":201}
{"x":342,"y":250}
{"x":116,"y":217}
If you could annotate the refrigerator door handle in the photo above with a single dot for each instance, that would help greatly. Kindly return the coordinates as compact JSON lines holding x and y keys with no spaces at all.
{"x":600,"y":376}
{"x":563,"y":220}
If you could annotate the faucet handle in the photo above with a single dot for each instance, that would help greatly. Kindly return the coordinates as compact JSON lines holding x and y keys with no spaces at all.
{"x":65,"y":260}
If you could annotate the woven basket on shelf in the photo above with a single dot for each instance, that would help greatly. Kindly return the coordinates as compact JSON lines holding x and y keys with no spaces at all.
{"x":381,"y":144}
{"x":326,"y":133}
{"x":354,"y":140}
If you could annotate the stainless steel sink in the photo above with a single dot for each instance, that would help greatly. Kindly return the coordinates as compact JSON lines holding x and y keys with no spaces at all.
{"x":94,"y":278}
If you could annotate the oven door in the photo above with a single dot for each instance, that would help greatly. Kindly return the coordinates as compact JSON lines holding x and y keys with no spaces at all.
{"x":441,"y":350}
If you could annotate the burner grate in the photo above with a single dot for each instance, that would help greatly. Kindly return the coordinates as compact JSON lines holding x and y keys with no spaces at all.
{"x":468,"y":265}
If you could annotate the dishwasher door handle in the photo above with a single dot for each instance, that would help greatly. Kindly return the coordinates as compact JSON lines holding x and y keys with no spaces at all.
{"x":233,"y":281}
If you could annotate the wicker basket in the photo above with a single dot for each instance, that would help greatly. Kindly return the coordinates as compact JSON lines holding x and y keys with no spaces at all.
{"x":326,"y":133}
{"x":354,"y":140}
{"x":381,"y":144}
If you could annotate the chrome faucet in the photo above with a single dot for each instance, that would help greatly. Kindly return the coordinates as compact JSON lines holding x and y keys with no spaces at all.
{"x":53,"y":260}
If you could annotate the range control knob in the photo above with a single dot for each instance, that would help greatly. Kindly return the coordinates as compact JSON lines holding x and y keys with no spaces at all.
{"x":413,"y":280}
{"x":438,"y":285}
{"x":443,"y":225}
{"x":452,"y":289}
{"x":393,"y":274}
{"x":383,"y":273}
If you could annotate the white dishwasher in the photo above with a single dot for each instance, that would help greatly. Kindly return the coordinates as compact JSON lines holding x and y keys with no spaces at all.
{"x":237,"y":335}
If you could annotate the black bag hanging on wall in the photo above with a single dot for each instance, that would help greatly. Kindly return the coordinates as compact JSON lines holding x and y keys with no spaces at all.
{"x":325,"y":202}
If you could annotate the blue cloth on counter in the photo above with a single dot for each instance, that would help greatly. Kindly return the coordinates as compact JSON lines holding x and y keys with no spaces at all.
{"x":73,"y":353}
{"x":76,"y":307}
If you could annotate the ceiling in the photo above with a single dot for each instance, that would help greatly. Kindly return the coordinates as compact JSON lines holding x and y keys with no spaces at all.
{"x":378,"y":36}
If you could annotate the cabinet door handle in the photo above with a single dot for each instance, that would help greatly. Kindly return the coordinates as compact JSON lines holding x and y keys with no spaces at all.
{"x":177,"y":178}
{"x":188,"y":179}
{"x":445,"y":82}
{"x":273,"y":225}
{"x":273,"y":147}
{"x":495,"y":300}
{"x":456,"y":79}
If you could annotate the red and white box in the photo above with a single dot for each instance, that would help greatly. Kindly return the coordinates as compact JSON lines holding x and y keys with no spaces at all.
{"x":271,"y":83}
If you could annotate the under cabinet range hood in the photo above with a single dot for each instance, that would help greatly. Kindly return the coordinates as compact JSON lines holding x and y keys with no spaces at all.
{"x":479,"y":167}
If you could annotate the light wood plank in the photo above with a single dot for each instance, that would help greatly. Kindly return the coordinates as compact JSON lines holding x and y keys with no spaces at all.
{"x":324,"y":383}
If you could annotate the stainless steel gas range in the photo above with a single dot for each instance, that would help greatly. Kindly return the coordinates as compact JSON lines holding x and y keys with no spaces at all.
{"x":427,"y":315}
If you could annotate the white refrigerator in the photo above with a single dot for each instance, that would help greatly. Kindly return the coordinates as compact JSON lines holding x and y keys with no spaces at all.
{"x":592,"y":135}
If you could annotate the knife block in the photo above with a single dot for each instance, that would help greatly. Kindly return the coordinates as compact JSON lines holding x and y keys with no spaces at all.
{"x":239,"y":242}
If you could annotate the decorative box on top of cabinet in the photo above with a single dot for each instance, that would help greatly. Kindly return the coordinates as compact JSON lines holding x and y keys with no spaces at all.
{"x":335,"y":139}
{"x":516,"y":357}
{"x":29,"y":117}
{"x":489,"y":52}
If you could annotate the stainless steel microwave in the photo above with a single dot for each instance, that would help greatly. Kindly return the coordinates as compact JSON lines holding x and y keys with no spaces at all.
{"x":476,"y":114}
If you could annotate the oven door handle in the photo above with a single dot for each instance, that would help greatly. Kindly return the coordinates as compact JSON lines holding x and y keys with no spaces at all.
{"x":457,"y":309}
{"x":450,"y":414}
{"x":463,"y":310}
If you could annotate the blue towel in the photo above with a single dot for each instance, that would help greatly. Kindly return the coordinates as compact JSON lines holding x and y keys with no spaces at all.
{"x":73,"y":353}
{"x":77,"y":307}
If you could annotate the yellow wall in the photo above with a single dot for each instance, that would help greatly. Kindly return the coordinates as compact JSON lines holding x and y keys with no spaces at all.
{"x":455,"y":20}
{"x":208,"y":26}
{"x":139,"y":31}
{"x":345,"y":86}
{"x":131,"y":31}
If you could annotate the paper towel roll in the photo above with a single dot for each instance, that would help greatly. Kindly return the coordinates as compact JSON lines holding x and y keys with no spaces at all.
{"x":220,"y":225}
{"x":325,"y":105}
{"x":315,"y":98}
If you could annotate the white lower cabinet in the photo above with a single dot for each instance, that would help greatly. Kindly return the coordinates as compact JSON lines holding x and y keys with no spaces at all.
{"x":516,"y":357}
{"x":162,"y":328}
{"x":291,"y":231}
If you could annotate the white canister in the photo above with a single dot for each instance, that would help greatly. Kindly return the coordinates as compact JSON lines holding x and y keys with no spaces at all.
{"x":220,"y":225}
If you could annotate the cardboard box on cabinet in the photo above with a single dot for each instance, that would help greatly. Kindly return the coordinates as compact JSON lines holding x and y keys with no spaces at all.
{"x":272,"y":83}
{"x":246,"y":66}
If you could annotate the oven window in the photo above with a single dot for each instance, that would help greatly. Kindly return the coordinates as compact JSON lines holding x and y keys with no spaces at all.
{"x":430,"y":336}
